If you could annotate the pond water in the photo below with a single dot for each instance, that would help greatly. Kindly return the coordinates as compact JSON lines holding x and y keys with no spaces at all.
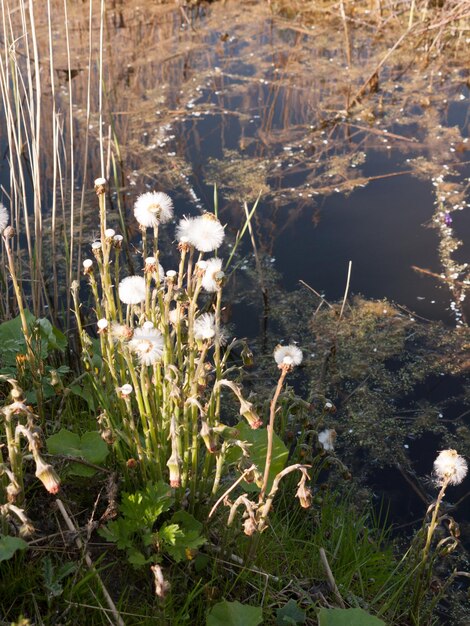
{"x":232,"y":95}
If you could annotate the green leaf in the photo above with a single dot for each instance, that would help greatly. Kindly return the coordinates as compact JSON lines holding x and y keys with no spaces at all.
{"x":259,"y":444}
{"x":188,"y":539}
{"x":9,"y":545}
{"x":64,"y":442}
{"x":12,"y":338}
{"x":53,"y":337}
{"x":90,"y":447}
{"x":234,"y":614}
{"x":136,"y":558}
{"x":170,"y":533}
{"x":290,"y":614}
{"x":86,"y":393}
{"x":145,"y":506}
{"x":347,"y":617}
{"x":118,"y":531}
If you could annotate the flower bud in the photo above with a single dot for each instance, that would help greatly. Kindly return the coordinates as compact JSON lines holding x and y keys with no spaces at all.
{"x":174,"y":464}
{"x":47,"y":475}
{"x":247,"y":411}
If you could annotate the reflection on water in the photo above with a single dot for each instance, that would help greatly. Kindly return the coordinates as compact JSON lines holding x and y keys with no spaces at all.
{"x":235,"y":96}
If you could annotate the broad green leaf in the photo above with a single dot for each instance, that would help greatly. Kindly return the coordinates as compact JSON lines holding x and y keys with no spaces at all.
{"x":9,"y":545}
{"x":90,"y":447}
{"x":94,"y":449}
{"x":234,"y":614}
{"x":64,"y":442}
{"x":12,"y":338}
{"x":290,"y":615}
{"x":53,"y":337}
{"x":13,"y":329}
{"x":347,"y":617}
{"x":259,"y":444}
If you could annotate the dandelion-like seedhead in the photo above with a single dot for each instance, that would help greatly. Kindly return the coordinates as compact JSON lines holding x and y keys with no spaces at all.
{"x":3,"y":218}
{"x":102,"y":324}
{"x":450,"y":467}
{"x":288,"y":355}
{"x":183,"y":230}
{"x":176,"y":315}
{"x":204,"y":327}
{"x":132,"y":290}
{"x":151,"y":266}
{"x":148,"y":344}
{"x":327,"y":439}
{"x":121,"y":332}
{"x":153,"y":208}
{"x":207,"y":233}
{"x":212,"y":275}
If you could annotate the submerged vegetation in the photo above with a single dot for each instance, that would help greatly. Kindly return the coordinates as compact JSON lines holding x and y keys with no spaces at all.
{"x":154,"y":467}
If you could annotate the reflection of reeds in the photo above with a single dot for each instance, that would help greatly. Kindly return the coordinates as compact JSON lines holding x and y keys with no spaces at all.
{"x":174,"y":95}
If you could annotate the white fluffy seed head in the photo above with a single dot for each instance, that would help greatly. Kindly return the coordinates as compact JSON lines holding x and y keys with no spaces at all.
{"x":132,"y":290}
{"x":176,"y":315}
{"x":100,"y":182}
{"x":450,"y":467}
{"x":3,"y":218}
{"x":102,"y":323}
{"x":183,"y":230}
{"x":109,"y":232}
{"x":288,"y":355}
{"x":126,"y":389}
{"x":87,"y":263}
{"x":147,"y":344}
{"x":153,"y":208}
{"x":327,"y":438}
{"x":212,"y":275}
{"x":204,"y":327}
{"x":207,"y":233}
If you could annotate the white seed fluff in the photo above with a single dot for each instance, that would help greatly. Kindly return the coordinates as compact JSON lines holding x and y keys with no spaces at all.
{"x":3,"y":218}
{"x":183,"y":230}
{"x":148,"y":344}
{"x":132,"y":290}
{"x":288,"y":355}
{"x":212,"y":271}
{"x":204,"y":327}
{"x":327,"y":438}
{"x":450,"y":466}
{"x":207,"y":233}
{"x":153,"y":208}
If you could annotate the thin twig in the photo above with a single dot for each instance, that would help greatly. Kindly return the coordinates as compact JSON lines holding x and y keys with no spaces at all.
{"x":230,"y":489}
{"x":346,"y":290}
{"x":79,"y":543}
{"x":331,"y":580}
